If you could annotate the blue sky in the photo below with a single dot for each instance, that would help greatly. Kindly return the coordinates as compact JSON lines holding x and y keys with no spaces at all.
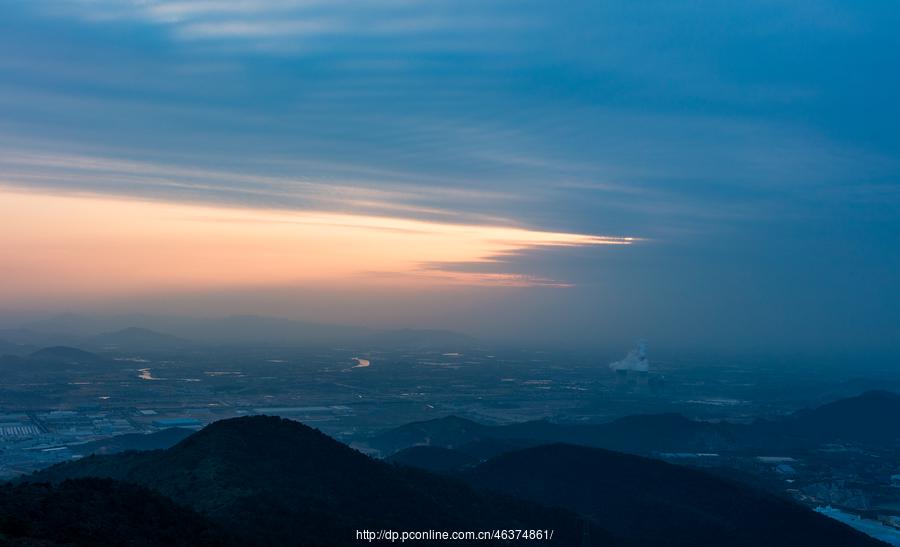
{"x":753,"y":148}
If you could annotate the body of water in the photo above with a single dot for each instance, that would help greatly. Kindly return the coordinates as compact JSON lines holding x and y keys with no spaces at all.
{"x":873,"y":528}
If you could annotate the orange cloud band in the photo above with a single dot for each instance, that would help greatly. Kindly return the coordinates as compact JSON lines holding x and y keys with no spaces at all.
{"x":98,"y":245}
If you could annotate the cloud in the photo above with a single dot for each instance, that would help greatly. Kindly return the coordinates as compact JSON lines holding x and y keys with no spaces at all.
{"x":74,"y":173}
{"x":81,"y":246}
{"x":293,"y":25}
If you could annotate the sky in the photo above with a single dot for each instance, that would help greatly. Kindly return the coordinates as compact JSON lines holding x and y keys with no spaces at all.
{"x":699,"y":174}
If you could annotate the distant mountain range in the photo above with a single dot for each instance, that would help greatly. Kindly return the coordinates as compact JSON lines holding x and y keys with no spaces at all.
{"x":53,"y":367}
{"x":51,"y":357}
{"x":147,"y":332}
{"x":860,"y":419}
{"x":65,"y":355}
{"x":137,"y":338}
{"x":269,"y":481}
{"x":54,"y":361}
{"x":870,"y":417}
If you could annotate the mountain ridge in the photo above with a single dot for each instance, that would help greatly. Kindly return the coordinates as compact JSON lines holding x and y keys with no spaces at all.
{"x":270,"y":480}
{"x":247,"y":329}
{"x":277,"y":480}
{"x":859,"y":418}
{"x":655,"y":502}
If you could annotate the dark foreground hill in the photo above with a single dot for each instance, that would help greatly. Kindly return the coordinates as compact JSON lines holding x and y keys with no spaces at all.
{"x":99,"y":512}
{"x":656,"y":503}
{"x":270,"y":481}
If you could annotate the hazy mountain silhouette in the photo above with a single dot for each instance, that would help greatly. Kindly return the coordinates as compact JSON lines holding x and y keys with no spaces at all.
{"x":633,"y":433}
{"x":138,"y":338}
{"x":857,"y":419}
{"x":51,"y":362}
{"x":448,"y":432}
{"x":869,"y":417}
{"x":74,"y":324}
{"x":66,"y":355}
{"x":231,"y":330}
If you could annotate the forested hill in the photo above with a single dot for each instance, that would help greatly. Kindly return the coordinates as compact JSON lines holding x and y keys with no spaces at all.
{"x":270,"y":481}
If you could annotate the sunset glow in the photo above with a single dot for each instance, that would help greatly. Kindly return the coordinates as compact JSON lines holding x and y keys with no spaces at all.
{"x":102,"y":245}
